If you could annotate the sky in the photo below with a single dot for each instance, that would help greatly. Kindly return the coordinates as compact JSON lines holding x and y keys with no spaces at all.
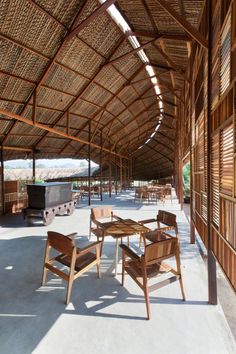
{"x":50,"y":163}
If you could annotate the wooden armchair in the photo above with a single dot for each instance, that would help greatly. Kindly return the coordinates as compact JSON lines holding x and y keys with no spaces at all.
{"x":165,"y":220}
{"x":150,"y":264}
{"x":78,"y":260}
{"x":97,"y":217}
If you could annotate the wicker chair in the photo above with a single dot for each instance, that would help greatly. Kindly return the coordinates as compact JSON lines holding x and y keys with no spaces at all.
{"x":78,"y":260}
{"x":150,"y":264}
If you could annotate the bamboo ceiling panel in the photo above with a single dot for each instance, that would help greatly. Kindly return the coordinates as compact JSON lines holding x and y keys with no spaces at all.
{"x":90,"y":78}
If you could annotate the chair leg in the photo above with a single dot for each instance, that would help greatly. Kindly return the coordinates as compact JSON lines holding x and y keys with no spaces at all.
{"x":123,"y":268}
{"x":98,"y":270}
{"x":46,"y":258}
{"x":182,"y":288}
{"x":69,"y":288}
{"x":98,"y":261}
{"x":45,"y":271}
{"x":179,"y":271}
{"x":146,"y":294}
{"x":116,"y":257}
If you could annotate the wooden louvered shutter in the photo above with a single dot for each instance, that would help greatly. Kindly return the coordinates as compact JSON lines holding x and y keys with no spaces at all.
{"x":215,"y":180}
{"x":227,"y":160}
{"x":215,"y":55}
{"x":225,"y":52}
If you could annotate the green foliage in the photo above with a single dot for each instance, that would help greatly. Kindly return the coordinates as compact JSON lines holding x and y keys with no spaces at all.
{"x":186,"y":179}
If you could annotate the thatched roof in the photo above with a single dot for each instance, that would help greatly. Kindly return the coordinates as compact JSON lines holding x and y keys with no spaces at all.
{"x":58,"y":57}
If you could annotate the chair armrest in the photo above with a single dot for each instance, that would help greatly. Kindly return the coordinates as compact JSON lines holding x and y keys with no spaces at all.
{"x":72,"y":236}
{"x":86,"y":249}
{"x":116,"y":217}
{"x":147,"y":221}
{"x":166,"y":228}
{"x":129,"y":252}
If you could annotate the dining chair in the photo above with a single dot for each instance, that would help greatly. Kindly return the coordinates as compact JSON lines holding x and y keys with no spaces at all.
{"x":97,"y":217}
{"x":77,"y":260}
{"x":150,"y":265}
{"x":165,"y":220}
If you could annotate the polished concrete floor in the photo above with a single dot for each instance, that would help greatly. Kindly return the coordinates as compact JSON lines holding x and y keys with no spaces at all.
{"x":103,"y":317}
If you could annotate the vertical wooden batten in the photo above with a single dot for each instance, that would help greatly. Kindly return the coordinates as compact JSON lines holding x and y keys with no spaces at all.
{"x":211,"y":262}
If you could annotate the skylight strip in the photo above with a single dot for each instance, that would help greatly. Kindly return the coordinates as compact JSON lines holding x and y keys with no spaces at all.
{"x":124,"y":26}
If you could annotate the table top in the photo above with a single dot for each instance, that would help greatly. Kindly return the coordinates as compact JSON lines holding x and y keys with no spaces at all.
{"x":123,"y":227}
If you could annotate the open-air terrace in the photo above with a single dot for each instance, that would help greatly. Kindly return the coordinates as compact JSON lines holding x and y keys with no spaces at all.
{"x":146,"y":90}
{"x":102,"y":316}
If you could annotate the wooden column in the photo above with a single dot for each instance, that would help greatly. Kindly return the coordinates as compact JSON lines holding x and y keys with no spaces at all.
{"x":101,"y":167}
{"x":192,"y":227}
{"x":2,"y":179}
{"x":180,"y":178}
{"x":115,"y":172}
{"x":89,"y":163}
{"x":110,"y":175}
{"x":128,"y":174}
{"x":68,"y":122}
{"x":33,"y":168}
{"x":121,"y":174}
{"x":131,"y":169}
{"x":34,"y":106}
{"x":125,"y":170}
{"x":211,"y":262}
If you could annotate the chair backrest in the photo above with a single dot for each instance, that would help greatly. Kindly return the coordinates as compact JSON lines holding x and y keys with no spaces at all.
{"x":156,"y":252}
{"x":101,"y":213}
{"x":166,"y":218}
{"x":61,"y":243}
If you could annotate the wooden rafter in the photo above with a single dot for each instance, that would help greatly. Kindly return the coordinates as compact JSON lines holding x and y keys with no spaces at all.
{"x":170,"y":61}
{"x":85,"y":87}
{"x":170,"y":36}
{"x":184,"y":24}
{"x":42,"y":79}
{"x":137,"y":116}
{"x":132,"y":52}
{"x":51,"y":130}
{"x":101,"y":110}
{"x":100,"y":10}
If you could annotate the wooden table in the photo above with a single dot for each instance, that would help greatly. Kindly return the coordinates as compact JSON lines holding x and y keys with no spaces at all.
{"x":121,"y":228}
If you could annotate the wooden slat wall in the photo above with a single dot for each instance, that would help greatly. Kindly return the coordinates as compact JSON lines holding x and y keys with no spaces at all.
{"x":223,"y":137}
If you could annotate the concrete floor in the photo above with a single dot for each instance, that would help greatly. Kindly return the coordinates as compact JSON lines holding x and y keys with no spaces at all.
{"x":103,"y":317}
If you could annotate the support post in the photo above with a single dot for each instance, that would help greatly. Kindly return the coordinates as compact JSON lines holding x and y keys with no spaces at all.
{"x":2,"y":179}
{"x":128,"y":174}
{"x":110,"y":175}
{"x":34,"y":106}
{"x":131,"y":169}
{"x":192,"y":226}
{"x":211,"y":262}
{"x":121,"y":174}
{"x":125,"y":171}
{"x":115,"y":172}
{"x":33,"y":168}
{"x":89,"y":164}
{"x":101,"y":198}
{"x":181,"y":197}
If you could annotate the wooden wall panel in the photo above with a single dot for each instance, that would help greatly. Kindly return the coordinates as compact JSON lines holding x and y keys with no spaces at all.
{"x":223,"y":137}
